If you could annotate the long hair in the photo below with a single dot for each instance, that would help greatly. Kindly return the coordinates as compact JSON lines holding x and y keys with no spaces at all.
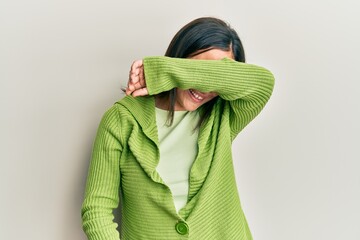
{"x":201,"y":35}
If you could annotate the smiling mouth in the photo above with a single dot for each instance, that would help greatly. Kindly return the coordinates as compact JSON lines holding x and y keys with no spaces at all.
{"x":196,"y":95}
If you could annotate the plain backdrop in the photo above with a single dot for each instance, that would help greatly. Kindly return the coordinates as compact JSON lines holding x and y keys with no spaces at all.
{"x":63,"y":63}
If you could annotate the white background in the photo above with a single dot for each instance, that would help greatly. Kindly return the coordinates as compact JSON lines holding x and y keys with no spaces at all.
{"x":62,"y":64}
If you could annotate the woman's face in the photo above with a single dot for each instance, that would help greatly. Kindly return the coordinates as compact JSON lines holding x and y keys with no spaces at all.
{"x":192,"y":99}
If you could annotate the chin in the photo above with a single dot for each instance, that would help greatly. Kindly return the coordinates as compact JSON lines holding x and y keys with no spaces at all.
{"x":192,"y":107}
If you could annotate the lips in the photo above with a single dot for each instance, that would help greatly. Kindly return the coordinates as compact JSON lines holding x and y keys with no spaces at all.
{"x":196,"y":95}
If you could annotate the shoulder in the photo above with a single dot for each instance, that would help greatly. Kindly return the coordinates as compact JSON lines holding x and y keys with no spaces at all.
{"x":133,"y":106}
{"x":133,"y":111}
{"x":119,"y":112}
{"x":116,"y":113}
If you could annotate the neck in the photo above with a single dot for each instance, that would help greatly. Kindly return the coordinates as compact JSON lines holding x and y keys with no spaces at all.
{"x":162,"y":102}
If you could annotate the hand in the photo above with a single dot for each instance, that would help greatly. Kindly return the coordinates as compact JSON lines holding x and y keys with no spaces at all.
{"x":136,"y":84}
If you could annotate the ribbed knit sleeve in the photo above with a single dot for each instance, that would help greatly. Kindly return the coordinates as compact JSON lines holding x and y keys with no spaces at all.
{"x":246,"y":87}
{"x":102,"y":189}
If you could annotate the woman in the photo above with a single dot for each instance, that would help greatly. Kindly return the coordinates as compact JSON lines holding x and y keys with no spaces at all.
{"x":166,"y":147}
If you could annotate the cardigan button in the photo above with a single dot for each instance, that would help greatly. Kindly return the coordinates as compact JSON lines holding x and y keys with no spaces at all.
{"x":182,"y":228}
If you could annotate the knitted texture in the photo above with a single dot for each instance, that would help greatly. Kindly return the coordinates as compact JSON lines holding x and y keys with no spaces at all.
{"x":126,"y":153}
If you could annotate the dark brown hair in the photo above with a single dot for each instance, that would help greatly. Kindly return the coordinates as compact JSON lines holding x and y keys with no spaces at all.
{"x":201,"y":35}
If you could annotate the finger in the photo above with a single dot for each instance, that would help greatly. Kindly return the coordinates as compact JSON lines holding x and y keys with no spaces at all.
{"x":136,"y":64}
{"x":137,"y":85}
{"x":135,"y":78}
{"x":133,"y":69}
{"x":142,"y":78}
{"x":136,"y":68}
{"x":134,"y":82}
{"x":131,"y":85}
{"x":140,"y":92}
{"x":137,"y":82}
{"x":129,"y":91}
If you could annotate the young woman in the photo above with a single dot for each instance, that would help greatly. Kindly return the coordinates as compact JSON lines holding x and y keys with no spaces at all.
{"x":164,"y":151}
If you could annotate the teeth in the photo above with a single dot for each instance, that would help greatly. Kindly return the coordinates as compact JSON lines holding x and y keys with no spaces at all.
{"x":197,"y":96}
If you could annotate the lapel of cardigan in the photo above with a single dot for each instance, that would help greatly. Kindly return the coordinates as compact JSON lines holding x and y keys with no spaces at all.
{"x":146,"y":152}
{"x":206,"y":145}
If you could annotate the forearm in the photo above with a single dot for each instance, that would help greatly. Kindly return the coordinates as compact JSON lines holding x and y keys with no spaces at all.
{"x":230,"y":79}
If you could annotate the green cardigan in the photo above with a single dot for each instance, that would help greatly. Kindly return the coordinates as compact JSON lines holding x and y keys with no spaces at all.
{"x":126,"y":153}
